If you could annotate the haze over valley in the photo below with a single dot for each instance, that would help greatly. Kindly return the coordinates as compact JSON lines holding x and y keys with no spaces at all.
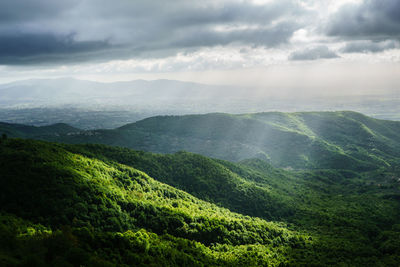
{"x":93,"y":105}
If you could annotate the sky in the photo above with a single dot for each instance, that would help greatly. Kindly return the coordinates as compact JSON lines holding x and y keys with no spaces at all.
{"x":293,"y":46}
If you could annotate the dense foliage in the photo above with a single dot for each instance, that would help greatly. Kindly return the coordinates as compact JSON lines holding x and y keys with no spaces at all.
{"x":304,"y":140}
{"x":346,"y":209}
{"x":336,"y":203}
{"x":59,"y":206}
{"x":95,"y":206}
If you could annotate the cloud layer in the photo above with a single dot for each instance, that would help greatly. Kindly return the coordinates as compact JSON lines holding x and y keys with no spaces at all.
{"x":368,"y":20}
{"x":366,"y":46}
{"x":314,"y":53}
{"x":54,"y":33}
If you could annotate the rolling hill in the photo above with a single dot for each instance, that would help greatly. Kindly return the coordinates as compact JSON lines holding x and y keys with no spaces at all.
{"x":59,"y":207}
{"x":344,"y":140}
{"x":308,"y":199}
{"x":26,"y":131}
{"x":305,"y":140}
{"x":74,"y":204}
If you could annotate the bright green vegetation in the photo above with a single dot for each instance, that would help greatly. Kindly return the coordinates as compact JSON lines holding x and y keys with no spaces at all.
{"x":348,"y":211}
{"x":336,"y":202}
{"x":63,"y":204}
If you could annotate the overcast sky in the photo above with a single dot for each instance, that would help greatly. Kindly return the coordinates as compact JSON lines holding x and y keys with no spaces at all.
{"x":329,"y":46}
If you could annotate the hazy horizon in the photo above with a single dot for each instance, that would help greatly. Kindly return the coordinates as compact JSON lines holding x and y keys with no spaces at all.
{"x":178,"y":57}
{"x":296,"y":47}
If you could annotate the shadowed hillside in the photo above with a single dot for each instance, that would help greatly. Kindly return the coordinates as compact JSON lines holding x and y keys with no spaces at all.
{"x":308,"y":140}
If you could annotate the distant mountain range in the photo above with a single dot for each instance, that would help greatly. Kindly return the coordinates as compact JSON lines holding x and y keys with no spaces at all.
{"x":165,"y":97}
{"x":53,"y":92}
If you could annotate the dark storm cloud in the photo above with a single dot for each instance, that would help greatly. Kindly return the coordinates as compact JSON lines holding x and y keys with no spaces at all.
{"x":258,"y":37}
{"x":369,"y":20}
{"x":36,"y":48}
{"x":19,"y":11}
{"x":56,"y":31}
{"x":315,"y":53}
{"x":369,"y":46}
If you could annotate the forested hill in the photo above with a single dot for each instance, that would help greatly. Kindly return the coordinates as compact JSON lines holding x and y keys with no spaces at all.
{"x":27,"y":131}
{"x":59,"y":208}
{"x":340,"y":140}
{"x":93,"y":205}
{"x":304,"y":140}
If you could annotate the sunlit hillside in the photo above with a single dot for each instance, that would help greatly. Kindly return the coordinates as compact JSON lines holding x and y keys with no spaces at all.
{"x":309,"y":140}
{"x":320,"y":217}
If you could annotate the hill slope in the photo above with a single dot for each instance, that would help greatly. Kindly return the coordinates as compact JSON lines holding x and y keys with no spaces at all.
{"x":311,"y":140}
{"x":26,"y":131}
{"x":105,"y":206}
{"x":341,"y":140}
{"x":309,"y":199}
{"x":118,"y":214}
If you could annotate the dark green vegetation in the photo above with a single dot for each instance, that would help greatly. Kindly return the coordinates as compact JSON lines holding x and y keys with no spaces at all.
{"x":340,"y":140}
{"x":97,"y":205}
{"x":312,"y":140}
{"x":25,"y":131}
